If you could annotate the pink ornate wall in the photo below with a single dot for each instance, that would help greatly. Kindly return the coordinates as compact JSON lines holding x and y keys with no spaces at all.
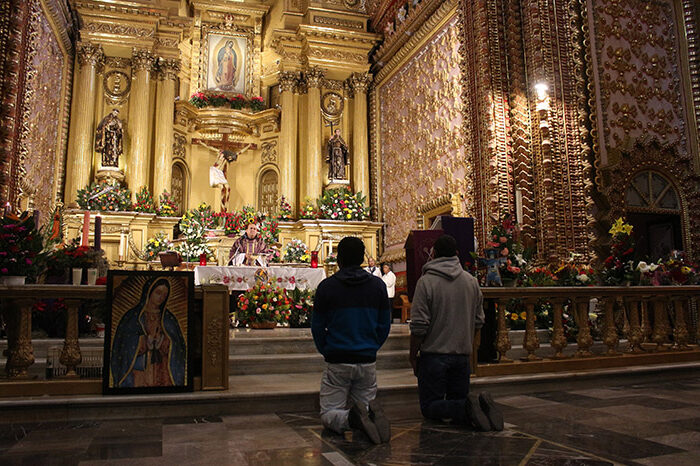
{"x":421,"y":146}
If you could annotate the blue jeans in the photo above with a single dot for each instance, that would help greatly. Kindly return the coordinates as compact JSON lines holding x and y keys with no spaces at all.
{"x":443,"y":385}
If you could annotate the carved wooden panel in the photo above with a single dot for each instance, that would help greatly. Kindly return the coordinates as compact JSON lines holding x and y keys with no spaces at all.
{"x":268,"y":192}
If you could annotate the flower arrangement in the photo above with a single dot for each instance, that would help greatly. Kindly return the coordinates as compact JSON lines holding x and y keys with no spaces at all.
{"x":516,"y":315}
{"x":104,"y":196}
{"x":618,"y":267}
{"x":675,"y":270}
{"x":73,"y":255}
{"x":302,"y":306}
{"x":297,"y":251}
{"x":342,"y":204}
{"x":308,"y":211}
{"x":540,"y":276}
{"x":193,"y":245}
{"x":285,"y":210}
{"x":569,"y":274}
{"x":166,"y":205}
{"x":331,"y":259}
{"x":264,"y":303}
{"x":270,"y":230}
{"x":205,"y":216}
{"x":504,"y":239}
{"x":20,"y":246}
{"x":235,"y":222}
{"x":237,"y":102}
{"x":155,"y":245}
{"x":144,"y":201}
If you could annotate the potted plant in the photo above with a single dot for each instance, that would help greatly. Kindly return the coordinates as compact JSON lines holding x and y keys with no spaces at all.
{"x":73,"y":256}
{"x":20,"y":249}
{"x":264,"y":306}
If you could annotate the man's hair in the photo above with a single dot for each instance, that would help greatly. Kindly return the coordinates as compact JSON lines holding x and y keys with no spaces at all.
{"x":351,"y":251}
{"x":445,"y":246}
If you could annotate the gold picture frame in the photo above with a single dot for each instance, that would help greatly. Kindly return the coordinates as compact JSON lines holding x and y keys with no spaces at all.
{"x":226,"y":61}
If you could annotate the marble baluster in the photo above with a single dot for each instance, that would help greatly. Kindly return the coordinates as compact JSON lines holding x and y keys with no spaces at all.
{"x":20,"y":352}
{"x":584,"y":340}
{"x":530,"y":340}
{"x":558,"y":342}
{"x":634,"y":340}
{"x":680,"y":329}
{"x":502,"y":338}
{"x":70,"y":354}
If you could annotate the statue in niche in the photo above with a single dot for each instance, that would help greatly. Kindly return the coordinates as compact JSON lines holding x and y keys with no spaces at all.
{"x":108,"y":139}
{"x":338,"y":156}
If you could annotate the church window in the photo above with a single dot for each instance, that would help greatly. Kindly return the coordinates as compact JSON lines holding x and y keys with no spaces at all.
{"x":650,"y":190}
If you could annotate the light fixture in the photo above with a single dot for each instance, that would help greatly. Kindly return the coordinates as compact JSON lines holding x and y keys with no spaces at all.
{"x":541,"y":90}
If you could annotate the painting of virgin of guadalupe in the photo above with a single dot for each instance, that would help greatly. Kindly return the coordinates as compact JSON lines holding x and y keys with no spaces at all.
{"x":147,"y":338}
{"x":226,"y":61}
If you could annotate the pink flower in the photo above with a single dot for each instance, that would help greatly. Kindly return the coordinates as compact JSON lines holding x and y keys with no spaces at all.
{"x":503,"y":239}
{"x":4,"y":270}
{"x":504,"y":252}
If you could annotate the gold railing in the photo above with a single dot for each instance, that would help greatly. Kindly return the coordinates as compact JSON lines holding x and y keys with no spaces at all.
{"x":17,"y":303}
{"x":656,"y":327}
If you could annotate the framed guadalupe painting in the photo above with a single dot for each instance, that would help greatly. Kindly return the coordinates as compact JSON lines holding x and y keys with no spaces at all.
{"x":227,"y":62}
{"x":147,"y":332}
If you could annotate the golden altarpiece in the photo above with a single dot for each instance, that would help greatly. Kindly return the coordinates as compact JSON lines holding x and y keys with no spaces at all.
{"x":310,"y":64}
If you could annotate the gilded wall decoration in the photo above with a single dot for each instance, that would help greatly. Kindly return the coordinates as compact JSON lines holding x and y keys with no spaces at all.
{"x":269,"y":151}
{"x":120,"y":30}
{"x":422,"y":151}
{"x":179,"y":144}
{"x":116,"y":85}
{"x":638,"y":73}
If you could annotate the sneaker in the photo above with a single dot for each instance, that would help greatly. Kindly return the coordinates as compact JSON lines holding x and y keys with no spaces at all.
{"x":376,"y":414}
{"x":488,"y":406}
{"x":475,"y":415}
{"x":358,"y":418}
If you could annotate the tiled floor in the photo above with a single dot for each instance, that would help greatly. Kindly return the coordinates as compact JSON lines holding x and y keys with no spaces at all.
{"x":653,"y":423}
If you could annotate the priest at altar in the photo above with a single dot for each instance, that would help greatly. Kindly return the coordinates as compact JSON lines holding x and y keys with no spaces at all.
{"x":249,"y":247}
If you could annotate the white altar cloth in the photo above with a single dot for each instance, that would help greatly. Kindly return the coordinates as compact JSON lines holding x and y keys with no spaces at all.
{"x":242,"y":278}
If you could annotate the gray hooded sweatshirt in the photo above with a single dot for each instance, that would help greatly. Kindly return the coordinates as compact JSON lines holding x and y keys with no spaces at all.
{"x":447,"y":307}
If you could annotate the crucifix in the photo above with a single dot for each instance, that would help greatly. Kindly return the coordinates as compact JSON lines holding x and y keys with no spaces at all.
{"x":228,"y":152}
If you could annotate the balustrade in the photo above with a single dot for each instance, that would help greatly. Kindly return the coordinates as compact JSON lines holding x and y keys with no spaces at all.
{"x":651,"y":320}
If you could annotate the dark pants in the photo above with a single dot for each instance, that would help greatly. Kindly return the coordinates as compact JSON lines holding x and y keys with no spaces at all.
{"x":443,"y":385}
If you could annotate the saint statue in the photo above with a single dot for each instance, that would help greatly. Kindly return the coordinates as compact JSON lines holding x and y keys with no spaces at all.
{"x":226,"y":61}
{"x":108,"y":139}
{"x":337,"y":157}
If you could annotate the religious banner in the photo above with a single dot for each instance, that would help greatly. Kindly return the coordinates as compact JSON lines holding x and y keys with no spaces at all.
{"x":147,"y":337}
{"x":226,"y":60}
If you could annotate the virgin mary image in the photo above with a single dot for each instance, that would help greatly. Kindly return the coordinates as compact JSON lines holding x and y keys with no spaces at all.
{"x":149,"y":349}
{"x":226,"y":61}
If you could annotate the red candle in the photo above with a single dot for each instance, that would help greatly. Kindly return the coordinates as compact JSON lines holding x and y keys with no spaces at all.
{"x":98,"y":232}
{"x":203,"y":259}
{"x":314,"y":259}
{"x":86,"y":229}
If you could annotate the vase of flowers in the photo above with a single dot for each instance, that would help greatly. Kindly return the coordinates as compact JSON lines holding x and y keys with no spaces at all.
{"x":20,"y":249}
{"x":105,"y":196}
{"x":72,"y":256}
{"x":302,"y":306}
{"x":144,"y":201}
{"x":155,"y":245}
{"x":308,"y":211}
{"x":284,"y":214}
{"x":263,"y":306}
{"x":166,"y":205}
{"x":296,"y":252}
{"x":342,"y":204}
{"x":618,"y":268}
{"x":194,"y":244}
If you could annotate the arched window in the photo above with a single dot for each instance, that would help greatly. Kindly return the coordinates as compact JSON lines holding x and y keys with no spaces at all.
{"x":654,"y":209}
{"x":178,"y":187}
{"x":267,"y":194}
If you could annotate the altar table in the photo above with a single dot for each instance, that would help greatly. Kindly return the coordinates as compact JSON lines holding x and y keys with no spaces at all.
{"x":242,"y":277}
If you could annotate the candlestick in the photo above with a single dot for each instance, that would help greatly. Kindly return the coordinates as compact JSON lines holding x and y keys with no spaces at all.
{"x":86,"y":229}
{"x":8,"y":209}
{"x":98,"y":232}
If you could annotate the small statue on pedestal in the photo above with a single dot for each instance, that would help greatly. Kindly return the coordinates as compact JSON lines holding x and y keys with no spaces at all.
{"x":337,"y":156}
{"x":108,"y":139}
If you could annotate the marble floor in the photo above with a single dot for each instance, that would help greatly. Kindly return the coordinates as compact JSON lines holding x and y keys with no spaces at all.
{"x":655,"y":423}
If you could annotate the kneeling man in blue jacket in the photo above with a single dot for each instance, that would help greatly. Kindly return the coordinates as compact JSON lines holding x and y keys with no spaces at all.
{"x":351,"y":321}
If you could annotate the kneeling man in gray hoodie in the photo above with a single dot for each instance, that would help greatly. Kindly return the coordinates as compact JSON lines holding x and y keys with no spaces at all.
{"x":446,"y":311}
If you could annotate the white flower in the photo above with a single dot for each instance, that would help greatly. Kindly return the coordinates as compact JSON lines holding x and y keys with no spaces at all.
{"x":521,"y":261}
{"x":653,"y":267}
{"x":583,"y":278}
{"x":643,"y":267}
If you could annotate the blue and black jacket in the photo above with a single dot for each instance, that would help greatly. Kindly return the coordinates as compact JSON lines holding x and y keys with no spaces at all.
{"x":352,"y":316}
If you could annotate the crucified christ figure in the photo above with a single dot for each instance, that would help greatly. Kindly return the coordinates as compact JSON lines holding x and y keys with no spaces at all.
{"x":217,"y":172}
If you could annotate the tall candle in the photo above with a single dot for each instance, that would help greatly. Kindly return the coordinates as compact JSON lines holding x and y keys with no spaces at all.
{"x":122,"y":246}
{"x":8,"y":209}
{"x":86,"y":229}
{"x":98,"y":232}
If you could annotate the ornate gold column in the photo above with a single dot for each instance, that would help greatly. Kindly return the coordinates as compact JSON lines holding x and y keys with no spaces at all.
{"x":288,"y":145}
{"x":137,"y":166}
{"x":360,"y":155}
{"x":82,"y":125}
{"x":314,"y":162}
{"x":163,"y":157}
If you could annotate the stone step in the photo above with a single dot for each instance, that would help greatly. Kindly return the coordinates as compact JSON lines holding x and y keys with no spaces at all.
{"x":252,"y":364}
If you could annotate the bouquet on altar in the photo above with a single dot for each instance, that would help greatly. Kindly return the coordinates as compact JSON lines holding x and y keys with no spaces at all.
{"x":284,"y":212}
{"x":167,"y":207}
{"x":193,"y":244}
{"x":21,"y":246}
{"x":263,"y":303}
{"x":618,"y":268}
{"x":155,"y":245}
{"x":342,"y":204}
{"x":236,"y":102}
{"x":73,"y":255}
{"x":296,"y":251}
{"x":105,"y":196}
{"x":144,"y":201}
{"x":308,"y":211}
{"x":235,"y":223}
{"x":506,"y":256}
{"x":205,"y":216}
{"x":302,"y":307}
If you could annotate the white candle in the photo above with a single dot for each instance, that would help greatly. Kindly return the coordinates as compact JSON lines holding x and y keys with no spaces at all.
{"x":122,"y":246}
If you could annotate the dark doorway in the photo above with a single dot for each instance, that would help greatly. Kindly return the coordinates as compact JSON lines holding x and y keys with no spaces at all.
{"x":656,"y":235}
